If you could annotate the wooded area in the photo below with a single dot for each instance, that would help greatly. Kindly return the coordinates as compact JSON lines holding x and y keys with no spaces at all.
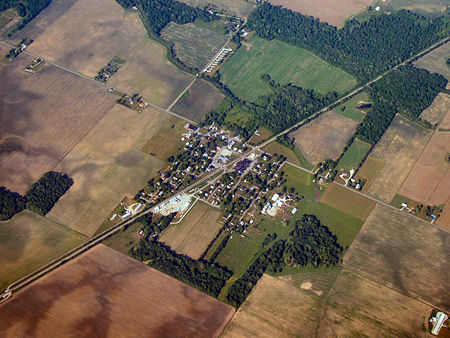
{"x":27,"y":9}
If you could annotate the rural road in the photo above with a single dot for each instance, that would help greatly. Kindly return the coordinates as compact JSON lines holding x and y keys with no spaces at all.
{"x":99,"y":238}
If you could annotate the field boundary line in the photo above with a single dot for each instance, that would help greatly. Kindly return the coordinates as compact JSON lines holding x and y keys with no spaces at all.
{"x":187,"y":211}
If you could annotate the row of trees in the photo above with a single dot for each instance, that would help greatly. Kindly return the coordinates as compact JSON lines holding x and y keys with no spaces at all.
{"x":406,"y":90}
{"x":364,"y":49}
{"x":203,"y":275}
{"x":27,"y":9}
{"x":41,"y":197}
{"x":309,"y":243}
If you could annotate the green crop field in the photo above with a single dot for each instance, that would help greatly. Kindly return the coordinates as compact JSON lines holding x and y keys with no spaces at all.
{"x":195,"y":44}
{"x":285,"y":64}
{"x":354,"y":155}
{"x":29,"y":241}
{"x":240,"y":252}
{"x":349,"y":108}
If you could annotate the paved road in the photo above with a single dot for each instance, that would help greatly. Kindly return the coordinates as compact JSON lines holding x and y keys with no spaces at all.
{"x":99,"y":238}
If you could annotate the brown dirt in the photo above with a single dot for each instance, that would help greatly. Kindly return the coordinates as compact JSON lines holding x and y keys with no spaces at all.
{"x":359,"y":307}
{"x":444,"y":220}
{"x":401,"y":252}
{"x":203,"y":98}
{"x":440,"y":108}
{"x":347,"y":201}
{"x":107,"y":30}
{"x":429,"y":180}
{"x":105,"y":293}
{"x":42,"y":116}
{"x":324,"y":137}
{"x":107,"y":164}
{"x":335,"y":12}
{"x":399,"y":148}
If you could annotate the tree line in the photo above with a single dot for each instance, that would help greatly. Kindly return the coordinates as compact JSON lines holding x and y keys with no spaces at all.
{"x":40,"y":199}
{"x":364,"y":49}
{"x":203,"y":275}
{"x":406,"y":90}
{"x":28,"y":9}
{"x":309,"y":243}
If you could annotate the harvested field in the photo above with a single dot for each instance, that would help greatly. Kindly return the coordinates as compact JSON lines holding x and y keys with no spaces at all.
{"x":167,"y":140}
{"x":240,"y":8}
{"x":29,"y":241}
{"x":285,"y":64}
{"x":193,"y":234}
{"x":107,"y":31}
{"x":444,"y":220}
{"x":440,"y":108}
{"x":105,"y":293}
{"x":347,"y":201}
{"x":201,"y":98}
{"x":334,"y":12}
{"x":369,"y":171}
{"x":325,"y":137}
{"x":195,"y":44}
{"x":429,"y":8}
{"x":445,"y":124}
{"x":435,"y":62}
{"x":399,"y":148}
{"x":354,"y":155}
{"x":401,"y":252}
{"x":359,"y":307}
{"x":275,"y":308}
{"x":106,"y":165}
{"x":429,"y":179}
{"x":42,"y":117}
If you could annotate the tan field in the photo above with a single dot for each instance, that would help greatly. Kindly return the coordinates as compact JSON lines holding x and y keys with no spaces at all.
{"x":400,"y":147}
{"x":347,"y":201}
{"x":107,"y":31}
{"x":42,"y":117}
{"x":359,"y":307}
{"x":401,"y":252}
{"x":445,"y":124}
{"x":334,"y":12}
{"x":325,"y":137}
{"x":429,"y":179}
{"x":444,"y":220}
{"x":440,"y":108}
{"x":106,"y":165}
{"x":29,"y":241}
{"x":193,"y":234}
{"x":435,"y":62}
{"x":369,"y":171}
{"x":105,"y":293}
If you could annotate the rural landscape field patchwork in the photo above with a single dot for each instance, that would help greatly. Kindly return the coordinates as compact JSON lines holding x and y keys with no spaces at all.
{"x":235,"y":168}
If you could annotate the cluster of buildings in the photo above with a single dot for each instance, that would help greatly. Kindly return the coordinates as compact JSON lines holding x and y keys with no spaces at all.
{"x":219,"y":57}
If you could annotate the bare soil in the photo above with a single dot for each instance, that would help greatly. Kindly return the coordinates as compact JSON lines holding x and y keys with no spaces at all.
{"x":324,"y":137}
{"x":401,"y":252}
{"x":105,"y":293}
{"x":42,"y":117}
{"x":334,"y":12}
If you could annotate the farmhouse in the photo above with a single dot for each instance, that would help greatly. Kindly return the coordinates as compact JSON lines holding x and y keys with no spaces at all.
{"x":438,"y":322}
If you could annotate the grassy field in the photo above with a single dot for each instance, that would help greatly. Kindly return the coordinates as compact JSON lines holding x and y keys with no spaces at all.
{"x":124,"y":240}
{"x":193,"y":234}
{"x":277,"y":148}
{"x":241,"y":8}
{"x":167,"y":139}
{"x":429,"y":8}
{"x":93,"y":291}
{"x":240,"y":252}
{"x":347,"y":201}
{"x":28,"y":242}
{"x":435,"y":62}
{"x":354,"y":155}
{"x":43,"y":116}
{"x":401,"y":252}
{"x":107,"y":165}
{"x":195,"y":44}
{"x":201,"y":98}
{"x":325,"y":137}
{"x":349,"y":108}
{"x":108,"y":31}
{"x":285,"y":64}
{"x":429,"y":179}
{"x":7,"y":16}
{"x":440,"y":108}
{"x":334,"y":12}
{"x":400,"y":147}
